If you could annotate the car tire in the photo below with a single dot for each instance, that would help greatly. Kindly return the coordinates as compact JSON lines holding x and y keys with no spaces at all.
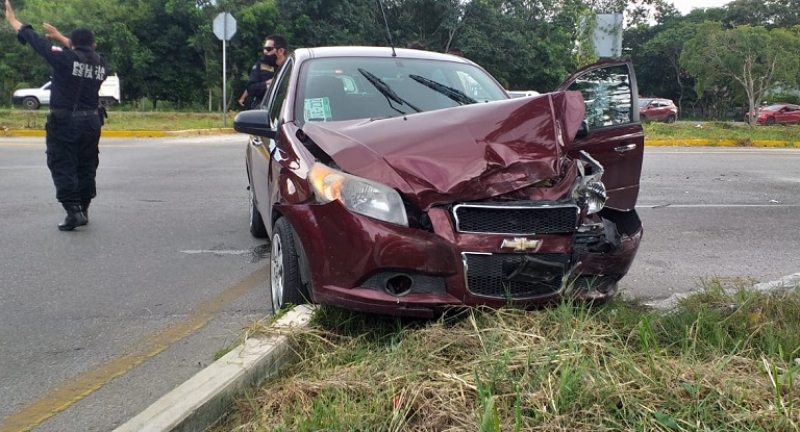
{"x":286,"y":285}
{"x":770,"y":121}
{"x":30,"y":103}
{"x":671,"y":118}
{"x":257,"y":227}
{"x":642,"y":119}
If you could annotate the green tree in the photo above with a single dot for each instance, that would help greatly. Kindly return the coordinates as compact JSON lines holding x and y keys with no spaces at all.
{"x":753,"y":57}
{"x":767,"y":13}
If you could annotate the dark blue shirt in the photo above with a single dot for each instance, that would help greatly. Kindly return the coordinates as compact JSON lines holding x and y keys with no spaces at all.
{"x":257,"y":81}
{"x":71,"y":74}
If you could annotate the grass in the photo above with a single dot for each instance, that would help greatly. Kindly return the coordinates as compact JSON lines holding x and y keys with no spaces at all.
{"x":721,"y":131}
{"x":123,"y":120}
{"x":721,"y":361}
{"x":120,"y":120}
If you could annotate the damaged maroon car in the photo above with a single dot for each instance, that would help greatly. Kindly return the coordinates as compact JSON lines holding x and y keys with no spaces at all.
{"x":406,"y":182}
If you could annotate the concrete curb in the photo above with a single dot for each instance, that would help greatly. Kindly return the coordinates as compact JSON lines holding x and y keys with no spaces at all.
{"x":203,"y":399}
{"x":789,"y":282}
{"x":743,"y":143}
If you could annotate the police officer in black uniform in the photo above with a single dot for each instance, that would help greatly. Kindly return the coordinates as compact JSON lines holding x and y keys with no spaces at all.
{"x":73,"y":125}
{"x":274,"y":53}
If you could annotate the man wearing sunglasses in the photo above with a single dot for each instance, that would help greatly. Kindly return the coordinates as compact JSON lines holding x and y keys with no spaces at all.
{"x":273,"y":56}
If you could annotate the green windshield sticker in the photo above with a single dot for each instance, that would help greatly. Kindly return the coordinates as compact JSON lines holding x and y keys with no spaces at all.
{"x":317,"y":110}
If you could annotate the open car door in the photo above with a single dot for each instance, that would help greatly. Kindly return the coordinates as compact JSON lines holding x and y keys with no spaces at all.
{"x":615,"y":137}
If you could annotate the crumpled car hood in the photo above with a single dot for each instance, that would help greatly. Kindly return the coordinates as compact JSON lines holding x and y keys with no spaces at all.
{"x":465,"y":153}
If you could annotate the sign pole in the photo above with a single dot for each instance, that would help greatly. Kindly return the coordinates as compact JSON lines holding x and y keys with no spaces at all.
{"x":224,"y":26}
{"x":224,"y":88}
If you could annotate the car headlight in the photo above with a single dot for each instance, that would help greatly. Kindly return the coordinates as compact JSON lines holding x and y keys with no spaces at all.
{"x":358,"y":195}
{"x":588,"y":190}
{"x":593,"y":196}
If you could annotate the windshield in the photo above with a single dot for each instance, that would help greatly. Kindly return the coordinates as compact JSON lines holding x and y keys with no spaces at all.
{"x":643,"y":103}
{"x":772,"y":108}
{"x":350,"y":88}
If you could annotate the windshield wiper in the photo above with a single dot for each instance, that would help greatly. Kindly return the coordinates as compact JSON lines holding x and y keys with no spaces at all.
{"x":456,"y":95}
{"x":387,"y":91}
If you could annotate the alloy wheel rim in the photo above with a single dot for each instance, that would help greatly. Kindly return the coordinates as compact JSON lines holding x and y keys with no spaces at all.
{"x":276,"y":273}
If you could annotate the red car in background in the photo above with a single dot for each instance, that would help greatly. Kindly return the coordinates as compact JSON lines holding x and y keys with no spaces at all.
{"x":656,"y":109}
{"x":777,"y":114}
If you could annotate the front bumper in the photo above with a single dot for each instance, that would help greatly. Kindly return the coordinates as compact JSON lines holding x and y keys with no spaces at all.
{"x":362,"y":264}
{"x":17,"y":100}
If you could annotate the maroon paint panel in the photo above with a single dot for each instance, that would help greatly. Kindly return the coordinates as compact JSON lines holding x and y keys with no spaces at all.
{"x":461,"y":154}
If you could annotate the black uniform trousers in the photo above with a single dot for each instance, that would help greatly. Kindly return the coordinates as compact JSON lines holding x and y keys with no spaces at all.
{"x":73,"y":154}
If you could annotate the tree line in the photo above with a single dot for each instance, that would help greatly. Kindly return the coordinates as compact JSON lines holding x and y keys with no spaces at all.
{"x":712,"y":62}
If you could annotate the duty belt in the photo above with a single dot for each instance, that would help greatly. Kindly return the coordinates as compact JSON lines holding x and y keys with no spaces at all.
{"x":63,"y":112}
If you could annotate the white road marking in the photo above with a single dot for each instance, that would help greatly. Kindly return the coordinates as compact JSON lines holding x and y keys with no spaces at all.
{"x":218,"y":252}
{"x":658,"y":206}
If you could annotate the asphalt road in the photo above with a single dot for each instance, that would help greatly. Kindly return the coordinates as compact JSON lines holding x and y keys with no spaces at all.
{"x":139,"y":294}
{"x":726,"y":213}
{"x":97,"y":324}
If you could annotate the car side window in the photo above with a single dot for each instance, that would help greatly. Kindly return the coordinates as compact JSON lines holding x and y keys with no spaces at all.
{"x":607,"y":95}
{"x":281,"y":89}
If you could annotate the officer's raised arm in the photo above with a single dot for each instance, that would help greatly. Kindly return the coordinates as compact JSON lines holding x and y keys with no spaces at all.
{"x":53,"y":34}
{"x":11,"y":18}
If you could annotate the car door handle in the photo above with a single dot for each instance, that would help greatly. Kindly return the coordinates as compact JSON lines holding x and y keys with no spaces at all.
{"x":625,"y":148}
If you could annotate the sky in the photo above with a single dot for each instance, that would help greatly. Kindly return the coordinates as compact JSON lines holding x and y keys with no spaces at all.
{"x":686,"y":6}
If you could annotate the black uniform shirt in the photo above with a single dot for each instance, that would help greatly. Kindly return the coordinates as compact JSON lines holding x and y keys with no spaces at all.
{"x":257,"y":82}
{"x":69,"y":71}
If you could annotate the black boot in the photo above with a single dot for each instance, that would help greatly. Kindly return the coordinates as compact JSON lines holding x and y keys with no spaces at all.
{"x":85,"y":211}
{"x":74,"y":218}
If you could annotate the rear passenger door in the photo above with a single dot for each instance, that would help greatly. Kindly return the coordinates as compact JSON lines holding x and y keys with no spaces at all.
{"x":615,"y":137}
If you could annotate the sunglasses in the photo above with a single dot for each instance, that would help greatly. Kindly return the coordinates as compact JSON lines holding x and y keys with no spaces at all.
{"x":269,"y":48}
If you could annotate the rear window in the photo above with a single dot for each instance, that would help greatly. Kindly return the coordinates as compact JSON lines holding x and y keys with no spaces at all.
{"x":334,"y":89}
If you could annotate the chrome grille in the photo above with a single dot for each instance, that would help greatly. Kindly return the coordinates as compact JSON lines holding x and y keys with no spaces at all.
{"x":516,"y":218}
{"x":487,"y":276}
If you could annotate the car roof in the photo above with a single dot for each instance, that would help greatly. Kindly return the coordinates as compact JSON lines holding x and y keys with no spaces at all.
{"x":302,"y":54}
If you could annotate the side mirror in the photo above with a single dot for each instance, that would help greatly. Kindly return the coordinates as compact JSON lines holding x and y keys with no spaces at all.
{"x":583,"y":131}
{"x":254,"y":122}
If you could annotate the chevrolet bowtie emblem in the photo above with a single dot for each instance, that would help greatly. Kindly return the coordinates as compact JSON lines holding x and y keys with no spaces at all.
{"x":520,"y":244}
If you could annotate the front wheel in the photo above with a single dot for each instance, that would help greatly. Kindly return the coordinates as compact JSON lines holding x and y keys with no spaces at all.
{"x":286,"y":285}
{"x":671,"y":118}
{"x":30,"y":103}
{"x":770,"y":121}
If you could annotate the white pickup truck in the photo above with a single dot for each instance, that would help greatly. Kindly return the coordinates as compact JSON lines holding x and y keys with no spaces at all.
{"x":33,"y":98}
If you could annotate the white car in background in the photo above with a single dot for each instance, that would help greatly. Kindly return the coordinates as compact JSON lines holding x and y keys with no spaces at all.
{"x":33,"y":98}
{"x":522,"y":93}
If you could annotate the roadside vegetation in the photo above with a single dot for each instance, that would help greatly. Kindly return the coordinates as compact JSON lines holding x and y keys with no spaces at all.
{"x":743,"y":134}
{"x":124,"y":120}
{"x":726,"y":358}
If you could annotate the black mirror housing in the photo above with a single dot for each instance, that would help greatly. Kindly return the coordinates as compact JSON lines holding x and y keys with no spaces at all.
{"x":254,"y":122}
